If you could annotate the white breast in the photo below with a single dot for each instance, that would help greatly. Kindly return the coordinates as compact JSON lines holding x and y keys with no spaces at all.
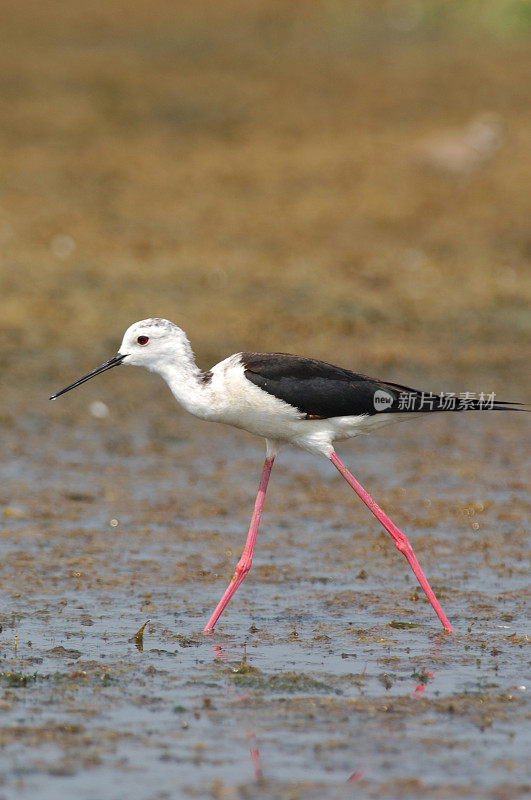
{"x":236,"y":401}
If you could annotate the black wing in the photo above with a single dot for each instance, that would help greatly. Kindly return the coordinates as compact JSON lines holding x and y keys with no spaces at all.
{"x":320,"y":390}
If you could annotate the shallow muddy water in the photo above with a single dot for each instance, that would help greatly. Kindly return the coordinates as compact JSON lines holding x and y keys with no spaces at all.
{"x":270,"y":176}
{"x":328,"y":675}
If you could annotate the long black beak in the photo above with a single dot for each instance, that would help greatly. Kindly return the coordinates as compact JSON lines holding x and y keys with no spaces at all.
{"x":112,"y":362}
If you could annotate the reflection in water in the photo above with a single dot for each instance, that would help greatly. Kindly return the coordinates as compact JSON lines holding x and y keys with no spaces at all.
{"x":255,"y":757}
{"x":422,"y":681}
{"x":425,"y":675}
{"x":229,"y":654}
{"x":235,"y":657}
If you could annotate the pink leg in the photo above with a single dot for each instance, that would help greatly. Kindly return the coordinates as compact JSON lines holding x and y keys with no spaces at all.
{"x":244,"y":564}
{"x":399,"y":539}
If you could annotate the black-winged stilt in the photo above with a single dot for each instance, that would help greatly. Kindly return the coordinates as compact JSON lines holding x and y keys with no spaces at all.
{"x":287,"y":400}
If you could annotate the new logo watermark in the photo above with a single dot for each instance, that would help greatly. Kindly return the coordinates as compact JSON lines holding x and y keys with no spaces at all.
{"x":382,"y":400}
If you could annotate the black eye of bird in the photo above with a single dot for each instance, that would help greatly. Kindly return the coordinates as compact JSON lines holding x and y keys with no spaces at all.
{"x":143,"y":339}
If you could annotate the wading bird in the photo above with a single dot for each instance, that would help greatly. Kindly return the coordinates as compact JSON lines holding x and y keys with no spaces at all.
{"x":287,"y":400}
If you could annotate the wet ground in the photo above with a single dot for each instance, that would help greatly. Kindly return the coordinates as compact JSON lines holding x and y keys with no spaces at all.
{"x":343,"y":180}
{"x":329,"y":675}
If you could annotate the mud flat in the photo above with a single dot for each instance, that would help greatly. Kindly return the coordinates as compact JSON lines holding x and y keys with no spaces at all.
{"x":270,"y":177}
{"x":328,"y":677}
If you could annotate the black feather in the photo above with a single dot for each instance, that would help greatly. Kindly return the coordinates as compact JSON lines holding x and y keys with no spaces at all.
{"x":320,"y":390}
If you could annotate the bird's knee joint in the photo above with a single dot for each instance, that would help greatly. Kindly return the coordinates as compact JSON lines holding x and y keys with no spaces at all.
{"x":403,"y":547}
{"x":241,"y":571}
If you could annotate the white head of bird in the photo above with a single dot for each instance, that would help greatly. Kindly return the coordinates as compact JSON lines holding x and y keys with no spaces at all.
{"x":162,"y":347}
{"x":155,"y":344}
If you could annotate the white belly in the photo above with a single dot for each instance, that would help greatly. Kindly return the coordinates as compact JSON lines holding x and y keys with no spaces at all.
{"x":236,"y":401}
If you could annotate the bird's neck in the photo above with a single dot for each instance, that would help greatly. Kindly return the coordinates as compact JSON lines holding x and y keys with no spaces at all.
{"x":187,"y":383}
